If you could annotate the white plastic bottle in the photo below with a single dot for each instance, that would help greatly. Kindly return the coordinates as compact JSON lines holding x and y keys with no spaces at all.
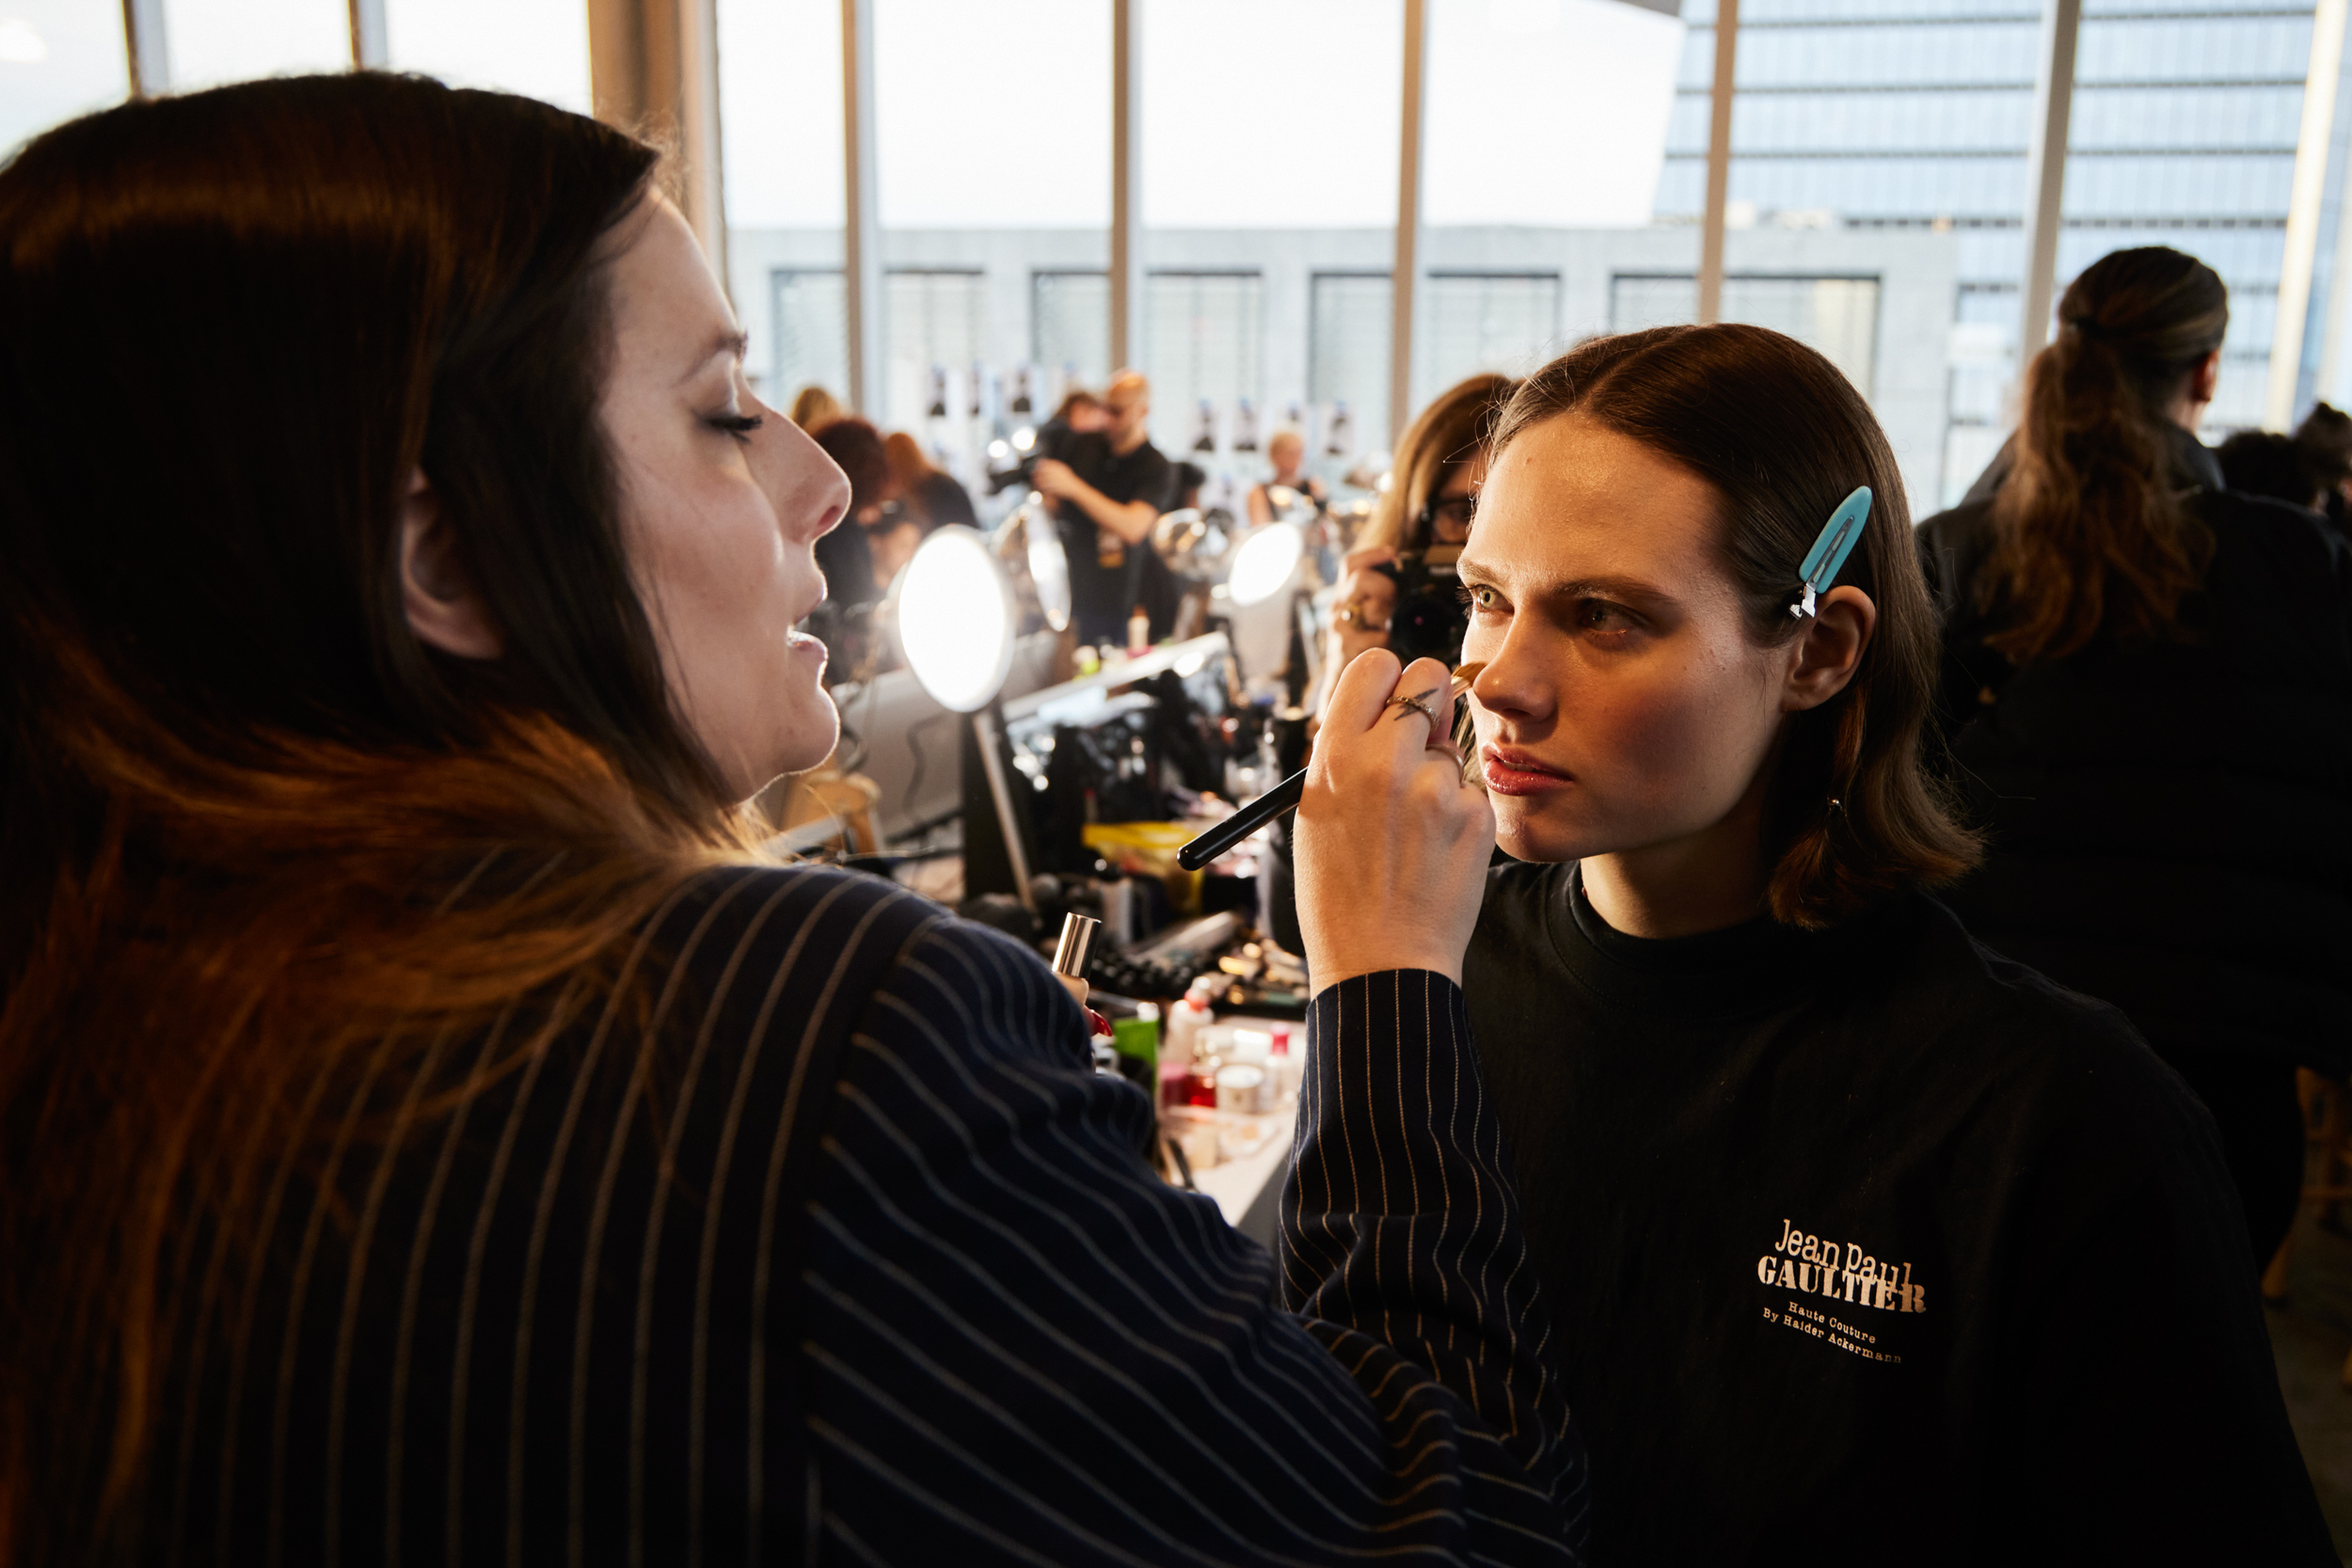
{"x":1187,"y":1019}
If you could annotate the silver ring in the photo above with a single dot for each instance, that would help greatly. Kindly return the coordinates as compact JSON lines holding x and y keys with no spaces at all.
{"x":1417,"y":702}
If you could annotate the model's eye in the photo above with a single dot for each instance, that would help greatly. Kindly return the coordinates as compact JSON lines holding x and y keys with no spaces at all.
{"x":1479,"y":596}
{"x":738,"y":425}
{"x":1600,"y":615}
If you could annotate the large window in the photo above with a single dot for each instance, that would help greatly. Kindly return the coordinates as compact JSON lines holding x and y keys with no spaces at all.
{"x":59,"y":58}
{"x":1472,"y":322}
{"x":780,"y":129}
{"x":1203,"y":350}
{"x":935,"y":333}
{"x":1270,"y":137}
{"x":1876,"y":208}
{"x":2184,"y":135}
{"x":1348,"y":355}
{"x":1837,"y":316}
{"x":808,"y":332}
{"x":210,"y":42}
{"x":538,"y":48}
{"x":1069,"y":329}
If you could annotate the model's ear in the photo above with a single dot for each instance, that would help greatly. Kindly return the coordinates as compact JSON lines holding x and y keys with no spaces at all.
{"x":443,"y":608}
{"x":1829,"y":650}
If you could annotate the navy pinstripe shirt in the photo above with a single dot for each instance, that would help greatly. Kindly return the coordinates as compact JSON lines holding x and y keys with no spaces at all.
{"x":825,"y":1245}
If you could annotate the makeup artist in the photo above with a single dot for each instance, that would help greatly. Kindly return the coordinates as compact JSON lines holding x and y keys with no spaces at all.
{"x":1856,"y":1232}
{"x":429,"y":1127}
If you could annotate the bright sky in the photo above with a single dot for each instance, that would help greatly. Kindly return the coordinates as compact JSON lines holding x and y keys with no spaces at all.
{"x":996,"y":113}
{"x":1256,"y":113}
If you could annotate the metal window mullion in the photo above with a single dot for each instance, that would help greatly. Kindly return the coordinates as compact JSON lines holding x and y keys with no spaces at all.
{"x":2045,"y":172}
{"x":147,"y":52}
{"x":1405,"y":280}
{"x":1720,"y":96}
{"x":371,"y":45}
{"x":861,"y":229}
{"x":2306,"y":195}
{"x":1126,"y":237}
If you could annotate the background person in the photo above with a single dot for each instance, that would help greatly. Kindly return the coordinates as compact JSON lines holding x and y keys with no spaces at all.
{"x":2325,"y":440}
{"x":932,"y":497}
{"x":431,"y":1130}
{"x":850,"y":555}
{"x":812,"y":405}
{"x":1111,"y":486}
{"x":1287,"y":451}
{"x":1892,"y":1231}
{"x":2149,"y":686}
{"x":2264,"y":463}
{"x":1430,"y":500}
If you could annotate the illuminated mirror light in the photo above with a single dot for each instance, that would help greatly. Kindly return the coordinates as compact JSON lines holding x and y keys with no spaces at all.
{"x":956,"y":619}
{"x":1264,"y":562}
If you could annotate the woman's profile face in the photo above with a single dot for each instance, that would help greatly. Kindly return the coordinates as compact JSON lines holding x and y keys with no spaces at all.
{"x":1623,"y":707}
{"x":719,"y":519}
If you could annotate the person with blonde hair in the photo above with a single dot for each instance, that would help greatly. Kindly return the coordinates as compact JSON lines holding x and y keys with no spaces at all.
{"x":812,"y":405}
{"x":1287,"y":450}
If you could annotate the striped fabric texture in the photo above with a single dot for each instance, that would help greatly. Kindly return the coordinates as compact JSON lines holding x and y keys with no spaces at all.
{"x":830,"y":1247}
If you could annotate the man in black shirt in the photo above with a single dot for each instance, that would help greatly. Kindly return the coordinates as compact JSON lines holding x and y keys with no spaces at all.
{"x":1109,"y":489}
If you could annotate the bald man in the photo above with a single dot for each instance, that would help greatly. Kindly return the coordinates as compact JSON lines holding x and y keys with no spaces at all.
{"x":1109,"y":487}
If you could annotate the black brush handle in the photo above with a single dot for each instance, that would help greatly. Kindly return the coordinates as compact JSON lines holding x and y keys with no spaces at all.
{"x":1256,"y":814}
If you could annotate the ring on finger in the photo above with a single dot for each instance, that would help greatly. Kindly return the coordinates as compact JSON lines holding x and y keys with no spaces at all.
{"x":1416,"y":703}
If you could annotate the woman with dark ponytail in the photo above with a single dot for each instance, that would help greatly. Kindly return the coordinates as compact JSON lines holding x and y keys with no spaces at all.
{"x":2148,"y":682}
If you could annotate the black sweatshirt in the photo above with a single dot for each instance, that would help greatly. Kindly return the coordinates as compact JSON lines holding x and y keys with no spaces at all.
{"x":2172,"y":824}
{"x":1871,"y":1241}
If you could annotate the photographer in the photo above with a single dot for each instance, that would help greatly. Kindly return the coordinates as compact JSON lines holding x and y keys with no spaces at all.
{"x":1440,"y":465}
{"x":1110,"y":488}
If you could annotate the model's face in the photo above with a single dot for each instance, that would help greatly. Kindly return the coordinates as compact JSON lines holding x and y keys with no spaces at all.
{"x":719,"y":521}
{"x":1623,"y":706}
{"x":1285,"y":453}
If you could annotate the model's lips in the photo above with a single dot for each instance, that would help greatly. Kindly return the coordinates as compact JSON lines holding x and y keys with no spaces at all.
{"x":1515,"y":772}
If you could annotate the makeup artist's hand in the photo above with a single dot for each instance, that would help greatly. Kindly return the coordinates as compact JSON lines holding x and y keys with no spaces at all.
{"x":1391,"y":846}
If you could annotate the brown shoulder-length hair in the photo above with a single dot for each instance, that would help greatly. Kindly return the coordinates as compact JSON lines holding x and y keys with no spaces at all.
{"x":248,"y":821}
{"x":1442,"y":437}
{"x":2089,"y":537}
{"x":1782,"y":438}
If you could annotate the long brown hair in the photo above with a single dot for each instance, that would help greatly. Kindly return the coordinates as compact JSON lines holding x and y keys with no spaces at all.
{"x":1442,"y":437}
{"x":248,"y":821}
{"x":2090,"y":535}
{"x":1782,"y":438}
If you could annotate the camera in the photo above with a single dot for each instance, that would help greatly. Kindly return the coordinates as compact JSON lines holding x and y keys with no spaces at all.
{"x":1431,"y":618}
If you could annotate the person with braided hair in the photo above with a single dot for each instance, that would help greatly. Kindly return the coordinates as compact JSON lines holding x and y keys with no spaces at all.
{"x":2147,"y":682}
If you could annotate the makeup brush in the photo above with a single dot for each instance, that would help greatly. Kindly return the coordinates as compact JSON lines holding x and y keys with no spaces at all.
{"x":1285,"y":796}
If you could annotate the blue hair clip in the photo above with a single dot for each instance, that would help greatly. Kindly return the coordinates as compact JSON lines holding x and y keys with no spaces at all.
{"x":1838,"y":537}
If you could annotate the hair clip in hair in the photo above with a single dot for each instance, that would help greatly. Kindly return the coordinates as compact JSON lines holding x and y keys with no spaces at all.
{"x":1837,"y":539}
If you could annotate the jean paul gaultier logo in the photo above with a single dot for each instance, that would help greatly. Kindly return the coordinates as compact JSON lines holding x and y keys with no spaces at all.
{"x":1816,"y":1266}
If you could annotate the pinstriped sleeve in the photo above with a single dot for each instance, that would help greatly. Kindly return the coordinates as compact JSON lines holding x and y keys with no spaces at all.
{"x":1401,"y":1238}
{"x":1021,"y":1346}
